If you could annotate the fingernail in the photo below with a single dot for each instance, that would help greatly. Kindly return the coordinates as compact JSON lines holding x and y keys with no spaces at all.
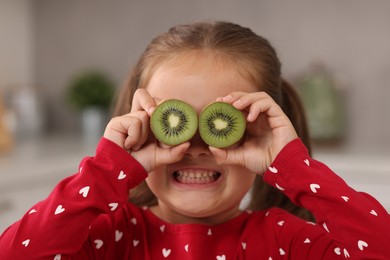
{"x":237,"y":103}
{"x":228,"y":97}
{"x":249,"y":117}
{"x":150,"y":110}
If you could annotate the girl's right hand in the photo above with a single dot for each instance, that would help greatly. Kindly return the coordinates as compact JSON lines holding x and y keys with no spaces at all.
{"x":132,"y":133}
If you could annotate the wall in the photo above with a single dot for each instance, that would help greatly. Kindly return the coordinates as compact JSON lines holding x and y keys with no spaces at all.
{"x":16,"y":44}
{"x":351,"y":37}
{"x":44,"y":42}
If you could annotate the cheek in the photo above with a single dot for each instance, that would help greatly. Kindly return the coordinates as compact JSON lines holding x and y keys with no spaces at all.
{"x":241,"y":179}
{"x":156,"y":180}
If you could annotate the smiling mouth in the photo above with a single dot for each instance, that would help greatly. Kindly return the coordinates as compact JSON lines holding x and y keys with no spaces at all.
{"x":196,"y":176}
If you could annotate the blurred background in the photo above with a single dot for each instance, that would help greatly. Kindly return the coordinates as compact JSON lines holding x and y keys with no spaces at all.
{"x":337,"y":54}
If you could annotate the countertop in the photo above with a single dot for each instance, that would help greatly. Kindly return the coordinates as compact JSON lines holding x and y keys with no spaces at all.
{"x":32,"y":169}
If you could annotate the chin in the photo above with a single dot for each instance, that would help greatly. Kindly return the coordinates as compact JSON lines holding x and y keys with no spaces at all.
{"x":196,"y":209}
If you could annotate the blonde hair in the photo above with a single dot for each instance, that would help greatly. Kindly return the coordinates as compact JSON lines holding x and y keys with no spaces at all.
{"x":254,"y":58}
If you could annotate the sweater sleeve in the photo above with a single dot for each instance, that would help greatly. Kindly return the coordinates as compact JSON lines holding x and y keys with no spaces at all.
{"x":350,"y":224}
{"x":60,"y":223}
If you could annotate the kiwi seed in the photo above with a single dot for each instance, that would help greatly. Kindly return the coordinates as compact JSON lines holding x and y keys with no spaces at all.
{"x":221,"y":125}
{"x":174,"y":122}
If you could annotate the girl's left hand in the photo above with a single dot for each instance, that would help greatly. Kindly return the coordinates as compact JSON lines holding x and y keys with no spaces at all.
{"x":268,"y":131}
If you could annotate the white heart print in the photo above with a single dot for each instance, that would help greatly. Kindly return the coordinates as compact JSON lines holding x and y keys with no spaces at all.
{"x":314,"y":187}
{"x":273,"y":169}
{"x":373,"y":212}
{"x":166,"y":252}
{"x":118,"y":235}
{"x":121,"y":175}
{"x":59,"y":210}
{"x":362,"y":244}
{"x":221,"y":257}
{"x":98,"y":243}
{"x":84,"y":191}
{"x":26,"y":242}
{"x":325,"y":227}
{"x":279,"y":187}
{"x":346,"y":254}
{"x":57,"y":257}
{"x":307,"y":162}
{"x":113,"y":206}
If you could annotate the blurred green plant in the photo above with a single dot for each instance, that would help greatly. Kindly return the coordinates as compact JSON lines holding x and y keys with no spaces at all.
{"x":91,"y":89}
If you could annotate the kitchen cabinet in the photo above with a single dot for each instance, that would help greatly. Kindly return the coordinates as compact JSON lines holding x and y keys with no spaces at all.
{"x":32,"y":169}
{"x":30,"y":172}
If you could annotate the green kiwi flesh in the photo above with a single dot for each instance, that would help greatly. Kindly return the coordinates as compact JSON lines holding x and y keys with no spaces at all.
{"x":174,"y":122}
{"x":221,"y":125}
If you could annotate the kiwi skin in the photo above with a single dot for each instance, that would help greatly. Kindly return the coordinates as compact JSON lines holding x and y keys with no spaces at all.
{"x":230,"y":121}
{"x":183,"y":117}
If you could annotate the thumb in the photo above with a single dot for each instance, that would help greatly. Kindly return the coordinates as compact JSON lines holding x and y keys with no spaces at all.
{"x":227,"y":156}
{"x":220,"y":155}
{"x":171,"y":155}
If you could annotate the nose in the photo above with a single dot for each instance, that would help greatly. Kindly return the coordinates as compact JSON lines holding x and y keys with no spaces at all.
{"x":198,"y":148}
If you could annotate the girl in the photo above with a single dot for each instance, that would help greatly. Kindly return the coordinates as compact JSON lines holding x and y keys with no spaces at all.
{"x":185,"y":200}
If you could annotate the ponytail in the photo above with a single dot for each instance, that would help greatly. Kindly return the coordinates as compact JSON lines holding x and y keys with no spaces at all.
{"x":293,"y":108}
{"x":263,"y":195}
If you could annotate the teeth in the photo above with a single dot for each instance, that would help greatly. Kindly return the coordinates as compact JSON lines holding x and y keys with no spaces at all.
{"x":196,"y":173}
{"x":196,"y":176}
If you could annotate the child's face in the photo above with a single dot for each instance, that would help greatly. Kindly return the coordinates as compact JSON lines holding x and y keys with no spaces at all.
{"x":198,"y":81}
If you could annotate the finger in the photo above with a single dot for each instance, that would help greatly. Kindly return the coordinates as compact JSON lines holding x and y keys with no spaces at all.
{"x":244,"y":102}
{"x":115,"y":132}
{"x":156,"y":102}
{"x":247,"y":99}
{"x":232,"y":97}
{"x":261,"y":102}
{"x":143,"y":101}
{"x":145,"y":130}
{"x":275,"y":115}
{"x":255,"y":109}
{"x":228,"y":157}
{"x":134,"y":130}
{"x":220,"y":155}
{"x":119,"y":128}
{"x":171,"y":155}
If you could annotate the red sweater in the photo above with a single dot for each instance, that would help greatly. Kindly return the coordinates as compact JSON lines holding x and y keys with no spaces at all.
{"x":87,"y":216}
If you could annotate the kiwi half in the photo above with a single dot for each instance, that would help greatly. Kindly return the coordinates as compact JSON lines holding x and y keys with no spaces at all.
{"x":174,"y":122}
{"x":221,"y":125}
